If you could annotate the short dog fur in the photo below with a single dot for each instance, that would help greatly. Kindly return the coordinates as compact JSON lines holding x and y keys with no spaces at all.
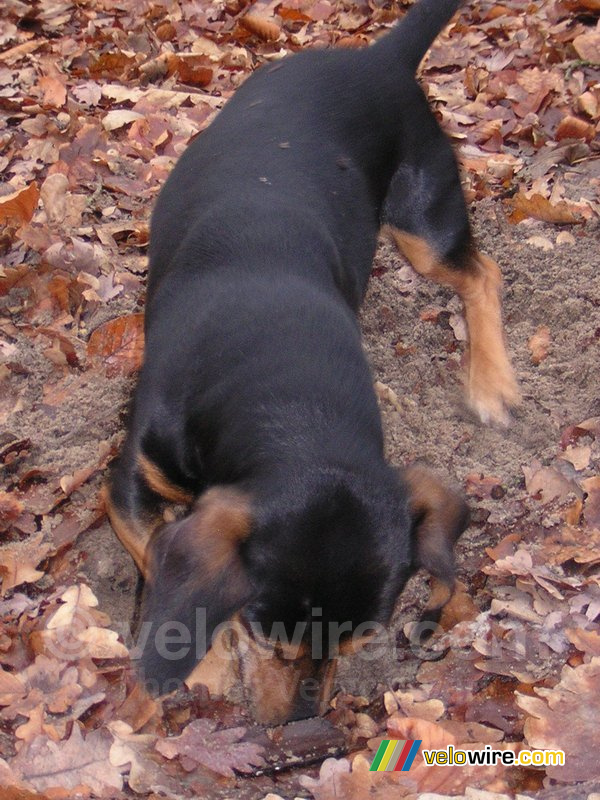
{"x":255,"y":405}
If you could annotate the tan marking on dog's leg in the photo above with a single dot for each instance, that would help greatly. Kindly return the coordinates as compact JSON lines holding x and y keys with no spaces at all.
{"x":159,"y":483}
{"x":440,"y":594}
{"x":441,"y":516}
{"x":327,"y":682}
{"x":133,"y":533}
{"x":492,"y":388}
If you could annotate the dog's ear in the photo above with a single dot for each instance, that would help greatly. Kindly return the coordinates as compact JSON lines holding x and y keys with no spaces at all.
{"x":439,"y":516}
{"x":195,"y":581}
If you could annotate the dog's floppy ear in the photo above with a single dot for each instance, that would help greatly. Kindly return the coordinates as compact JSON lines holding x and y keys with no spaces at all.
{"x":196,"y":580}
{"x":439,"y":516}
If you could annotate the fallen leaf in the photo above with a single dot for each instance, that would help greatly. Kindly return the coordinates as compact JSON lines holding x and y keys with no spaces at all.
{"x":118,"y":118}
{"x":76,"y":762}
{"x":587,"y":46}
{"x":539,"y":345}
{"x":262,"y":27}
{"x":578,"y":456}
{"x":190,"y":68}
{"x":54,"y":92}
{"x":118,"y":345}
{"x":218,"y":750}
{"x":575,"y":698}
{"x":573,"y":128}
{"x":17,"y":208}
{"x":539,"y":207}
{"x":18,"y":561}
{"x":102,"y":643}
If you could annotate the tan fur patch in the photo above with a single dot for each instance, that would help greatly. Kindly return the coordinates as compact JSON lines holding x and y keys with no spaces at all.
{"x":133,"y":534}
{"x":441,"y":510}
{"x":441,"y":592}
{"x":327,"y":681}
{"x":270,"y":682}
{"x":492,"y":388}
{"x":221,"y":520}
{"x":159,"y":483}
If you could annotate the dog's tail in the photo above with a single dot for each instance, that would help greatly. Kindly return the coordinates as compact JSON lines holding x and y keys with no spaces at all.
{"x":415,"y":33}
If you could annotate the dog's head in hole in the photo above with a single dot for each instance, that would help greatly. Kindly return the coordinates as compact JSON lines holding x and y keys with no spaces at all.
{"x":241,"y":590}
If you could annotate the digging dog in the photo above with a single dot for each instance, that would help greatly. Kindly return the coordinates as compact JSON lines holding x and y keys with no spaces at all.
{"x":255,"y":406}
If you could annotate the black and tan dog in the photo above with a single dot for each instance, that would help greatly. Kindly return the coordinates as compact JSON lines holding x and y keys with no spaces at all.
{"x":255,"y":402}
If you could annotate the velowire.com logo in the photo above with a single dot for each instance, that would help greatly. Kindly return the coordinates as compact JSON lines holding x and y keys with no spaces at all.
{"x":395,"y":755}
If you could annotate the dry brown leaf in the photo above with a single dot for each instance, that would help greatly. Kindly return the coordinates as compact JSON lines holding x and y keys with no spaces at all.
{"x":17,"y":208}
{"x":135,"y":752}
{"x":589,"y":103}
{"x":575,"y":698}
{"x":191,"y":68}
{"x":586,"y":641}
{"x":11,"y":509}
{"x":539,"y":345}
{"x":587,"y":46}
{"x":54,"y":92}
{"x":547,"y":483}
{"x":573,"y":128}
{"x":539,"y":207}
{"x":118,"y":345}
{"x":12,"y":688}
{"x":102,"y":643}
{"x":76,"y":762}
{"x":578,"y":456}
{"x":53,"y":194}
{"x":262,"y":27}
{"x":387,"y":395}
{"x":118,"y":118}
{"x":582,"y":5}
{"x":460,"y":608}
{"x":218,"y":750}
{"x":137,"y":709}
{"x":429,"y":710}
{"x":18,"y":561}
{"x":432,"y":734}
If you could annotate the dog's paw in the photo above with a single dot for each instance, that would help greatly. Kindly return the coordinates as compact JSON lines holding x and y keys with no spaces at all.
{"x":493,"y":392}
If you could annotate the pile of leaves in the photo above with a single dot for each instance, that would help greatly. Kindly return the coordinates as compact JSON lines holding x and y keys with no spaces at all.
{"x":97,"y":101}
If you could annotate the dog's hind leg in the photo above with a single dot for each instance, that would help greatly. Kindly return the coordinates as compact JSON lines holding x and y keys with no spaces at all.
{"x":426,"y":215}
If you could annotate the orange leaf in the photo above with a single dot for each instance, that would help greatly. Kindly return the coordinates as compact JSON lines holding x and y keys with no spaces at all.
{"x":539,"y":345}
{"x":539,"y":207}
{"x":118,"y":345}
{"x":574,"y":128}
{"x":587,"y":46}
{"x":18,"y":207}
{"x":293,"y":15}
{"x":261,"y":26}
{"x":55,"y":92}
{"x":191,"y":69}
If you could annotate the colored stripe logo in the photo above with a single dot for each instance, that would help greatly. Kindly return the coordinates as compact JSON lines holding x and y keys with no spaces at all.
{"x":395,"y":755}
